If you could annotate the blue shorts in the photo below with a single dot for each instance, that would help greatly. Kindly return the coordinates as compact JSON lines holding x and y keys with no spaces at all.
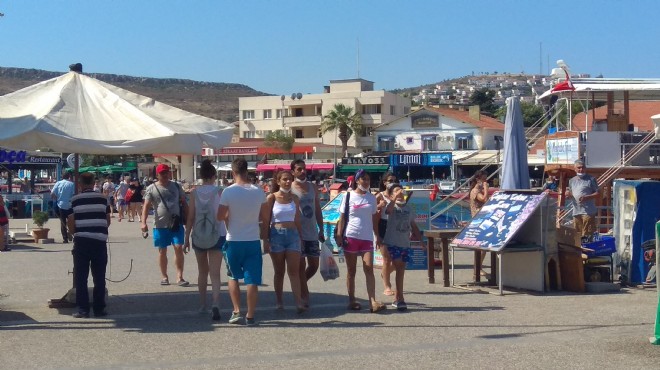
{"x":244,"y":261}
{"x":399,"y":253}
{"x":311,"y":248}
{"x":284,"y":240}
{"x":218,"y":246}
{"x":164,"y":237}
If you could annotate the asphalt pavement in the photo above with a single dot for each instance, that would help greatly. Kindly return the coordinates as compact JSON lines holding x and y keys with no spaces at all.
{"x":150,"y":326}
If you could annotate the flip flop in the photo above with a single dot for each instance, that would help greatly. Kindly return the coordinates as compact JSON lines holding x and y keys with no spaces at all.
{"x":377,"y":307}
{"x":354,"y":306}
{"x":388,"y":292}
{"x":165,"y":282}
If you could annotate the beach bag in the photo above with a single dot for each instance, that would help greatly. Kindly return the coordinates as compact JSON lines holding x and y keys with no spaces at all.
{"x":129,"y":195}
{"x":205,"y":232}
{"x":327,"y":264}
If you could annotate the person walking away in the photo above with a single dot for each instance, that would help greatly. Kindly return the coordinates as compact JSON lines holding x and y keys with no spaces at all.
{"x":285,"y":237}
{"x":401,"y":223}
{"x":359,"y":231}
{"x":97,"y":185}
{"x":165,"y":196}
{"x":479,"y":197}
{"x":311,"y":221}
{"x":135,"y":201}
{"x":109,"y":191}
{"x":208,"y":236}
{"x":242,"y":207}
{"x":382,"y":200}
{"x":120,"y":198}
{"x":4,"y":226}
{"x":583,"y":188}
{"x":89,"y":224}
{"x":62,"y":192}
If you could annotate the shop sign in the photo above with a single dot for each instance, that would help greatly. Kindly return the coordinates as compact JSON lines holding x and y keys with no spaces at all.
{"x":373,"y":160}
{"x":12,"y":156}
{"x":421,"y":159}
{"x":425,"y":121}
{"x":562,"y":151}
{"x":44,"y":160}
{"x":238,"y":151}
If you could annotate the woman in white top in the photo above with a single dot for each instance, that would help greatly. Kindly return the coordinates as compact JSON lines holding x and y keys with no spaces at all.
{"x":383,"y":199}
{"x":357,"y":238}
{"x":209,"y":254}
{"x":285,"y":237}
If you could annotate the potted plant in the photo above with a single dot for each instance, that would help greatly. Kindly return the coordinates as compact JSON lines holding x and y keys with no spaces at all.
{"x":40,"y":218}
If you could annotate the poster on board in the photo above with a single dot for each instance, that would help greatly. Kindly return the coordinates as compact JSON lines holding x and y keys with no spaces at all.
{"x":331,"y":216}
{"x":498,"y":221}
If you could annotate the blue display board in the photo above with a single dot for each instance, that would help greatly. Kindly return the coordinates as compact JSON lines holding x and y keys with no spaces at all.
{"x":331,"y":216}
{"x":498,"y":221}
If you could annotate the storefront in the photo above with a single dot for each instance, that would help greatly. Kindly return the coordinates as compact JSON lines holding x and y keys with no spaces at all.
{"x":374,"y":165}
{"x":420,"y":167}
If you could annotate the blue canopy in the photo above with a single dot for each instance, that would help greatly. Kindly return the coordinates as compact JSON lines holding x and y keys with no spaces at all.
{"x":515,"y":170}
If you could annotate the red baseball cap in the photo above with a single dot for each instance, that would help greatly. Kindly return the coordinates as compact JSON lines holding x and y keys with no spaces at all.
{"x":162,"y":168}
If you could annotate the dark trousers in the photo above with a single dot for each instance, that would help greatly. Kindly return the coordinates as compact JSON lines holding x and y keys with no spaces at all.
{"x":64,"y":214}
{"x":88,"y":253}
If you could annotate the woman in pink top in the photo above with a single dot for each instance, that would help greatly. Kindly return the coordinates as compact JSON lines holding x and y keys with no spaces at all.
{"x":356,"y":232}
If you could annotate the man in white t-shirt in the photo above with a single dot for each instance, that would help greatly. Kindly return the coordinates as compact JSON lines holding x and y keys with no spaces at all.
{"x":109,"y":191}
{"x":120,"y":195}
{"x":242,"y":207}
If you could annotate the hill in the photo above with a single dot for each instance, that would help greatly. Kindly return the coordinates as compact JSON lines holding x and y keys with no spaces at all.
{"x":209,"y":99}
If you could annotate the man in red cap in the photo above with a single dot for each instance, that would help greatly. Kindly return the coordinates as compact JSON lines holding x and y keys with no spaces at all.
{"x":165,"y":197}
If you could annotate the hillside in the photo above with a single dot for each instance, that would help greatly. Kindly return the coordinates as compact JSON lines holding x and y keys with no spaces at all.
{"x":210,"y":99}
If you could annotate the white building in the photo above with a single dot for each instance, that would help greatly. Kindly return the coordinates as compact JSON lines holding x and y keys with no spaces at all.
{"x":302,"y":115}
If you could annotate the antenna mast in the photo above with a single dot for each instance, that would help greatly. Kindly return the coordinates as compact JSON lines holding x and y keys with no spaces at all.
{"x":358,"y":57}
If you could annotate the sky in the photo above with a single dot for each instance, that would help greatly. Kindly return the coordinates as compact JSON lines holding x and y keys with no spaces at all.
{"x":285,"y":46}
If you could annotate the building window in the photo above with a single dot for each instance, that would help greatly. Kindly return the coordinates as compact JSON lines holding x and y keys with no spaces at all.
{"x":392,"y":110}
{"x":268,"y":113}
{"x":386,"y":144}
{"x":299,"y":134}
{"x":371,"y":109}
{"x":367,"y":131}
{"x":248,"y":134}
{"x":429,"y":143}
{"x":248,"y":114}
{"x":464,"y":142}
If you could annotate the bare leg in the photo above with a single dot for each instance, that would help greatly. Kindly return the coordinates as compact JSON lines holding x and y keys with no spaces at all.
{"x":252,"y":295}
{"x":293,"y":270}
{"x":202,"y":276}
{"x":386,"y":270}
{"x":215,"y":263}
{"x":235,"y":294}
{"x":304,"y":289}
{"x":312,"y":267}
{"x":162,"y":262}
{"x":351,"y":267}
{"x":278,"y":276}
{"x":400,"y":268}
{"x":178,"y":262}
{"x":368,"y":268}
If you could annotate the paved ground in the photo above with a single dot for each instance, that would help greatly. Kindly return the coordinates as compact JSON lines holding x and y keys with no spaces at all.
{"x":151,"y":326}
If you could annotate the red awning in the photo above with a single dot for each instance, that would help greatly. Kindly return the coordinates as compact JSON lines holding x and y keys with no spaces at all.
{"x":320,"y":166}
{"x":273,"y":167}
{"x":297,"y":149}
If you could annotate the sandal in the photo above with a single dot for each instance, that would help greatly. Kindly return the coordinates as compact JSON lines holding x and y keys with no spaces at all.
{"x":388,"y":292}
{"x":377,"y":307}
{"x":354,"y":306}
{"x":182,"y":283}
{"x":165,"y":281}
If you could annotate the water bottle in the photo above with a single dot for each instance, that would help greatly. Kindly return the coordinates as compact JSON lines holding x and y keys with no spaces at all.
{"x":340,"y":255}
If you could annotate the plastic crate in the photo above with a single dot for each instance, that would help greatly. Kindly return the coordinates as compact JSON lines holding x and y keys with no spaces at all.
{"x":603,"y":247}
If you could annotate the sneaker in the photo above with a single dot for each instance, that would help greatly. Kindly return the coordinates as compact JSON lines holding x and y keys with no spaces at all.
{"x":235,"y":318}
{"x":81,"y":315}
{"x":182,"y":283}
{"x":215,"y":314}
{"x":250,"y":322}
{"x":400,"y":305}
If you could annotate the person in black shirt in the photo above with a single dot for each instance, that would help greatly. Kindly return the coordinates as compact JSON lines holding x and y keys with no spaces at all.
{"x":89,"y":224}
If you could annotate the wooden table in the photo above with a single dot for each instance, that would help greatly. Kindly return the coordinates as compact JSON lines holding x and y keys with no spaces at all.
{"x":444,"y":235}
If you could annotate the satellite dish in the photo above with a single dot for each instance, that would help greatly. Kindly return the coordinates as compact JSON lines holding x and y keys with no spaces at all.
{"x":282,"y":97}
{"x":71,"y":158}
{"x":293,"y":96}
{"x":299,"y":96}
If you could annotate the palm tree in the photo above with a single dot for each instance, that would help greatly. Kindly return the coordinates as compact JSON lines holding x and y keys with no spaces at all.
{"x":343,"y":119}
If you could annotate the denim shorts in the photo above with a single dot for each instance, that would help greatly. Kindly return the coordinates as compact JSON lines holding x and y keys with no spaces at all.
{"x":311,"y":248}
{"x":165,"y":237}
{"x":283,"y":240}
{"x":399,"y":253}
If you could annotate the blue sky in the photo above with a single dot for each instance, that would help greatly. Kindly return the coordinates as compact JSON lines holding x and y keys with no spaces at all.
{"x":285,"y":46}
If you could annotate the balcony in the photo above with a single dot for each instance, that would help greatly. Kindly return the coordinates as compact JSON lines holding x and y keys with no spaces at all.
{"x":303,"y":121}
{"x":310,"y":140}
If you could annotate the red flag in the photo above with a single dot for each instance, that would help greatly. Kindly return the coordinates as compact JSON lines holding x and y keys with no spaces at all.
{"x":566,"y":85}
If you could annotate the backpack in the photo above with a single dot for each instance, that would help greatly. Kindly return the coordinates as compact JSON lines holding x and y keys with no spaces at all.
{"x":205,"y":231}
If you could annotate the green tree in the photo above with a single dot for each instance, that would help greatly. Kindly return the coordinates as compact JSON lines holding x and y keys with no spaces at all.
{"x":485,"y":99}
{"x":530,"y":111}
{"x":281,"y":140}
{"x":343,"y":120}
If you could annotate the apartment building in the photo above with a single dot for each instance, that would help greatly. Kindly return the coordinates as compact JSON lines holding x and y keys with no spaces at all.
{"x":301,"y":115}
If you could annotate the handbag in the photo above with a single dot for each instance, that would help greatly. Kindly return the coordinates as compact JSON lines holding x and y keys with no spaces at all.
{"x":175,"y":220}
